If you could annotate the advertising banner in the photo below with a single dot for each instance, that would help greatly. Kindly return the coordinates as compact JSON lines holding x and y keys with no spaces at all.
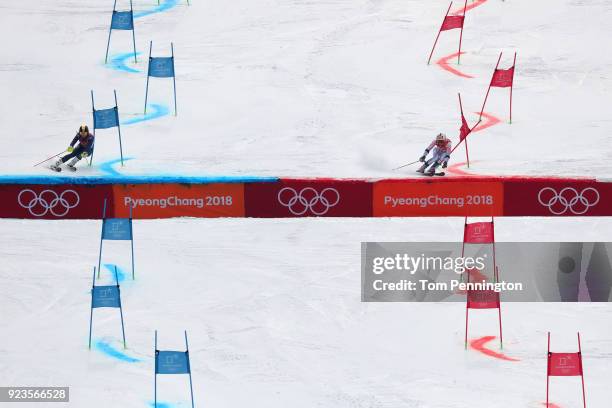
{"x":179,"y":200}
{"x":557,"y":198}
{"x":309,"y":198}
{"x":406,"y":198}
{"x":59,"y":201}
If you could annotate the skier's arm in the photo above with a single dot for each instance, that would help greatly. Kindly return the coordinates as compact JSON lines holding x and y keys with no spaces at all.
{"x":446,"y":156}
{"x":426,"y":152}
{"x":74,"y":140}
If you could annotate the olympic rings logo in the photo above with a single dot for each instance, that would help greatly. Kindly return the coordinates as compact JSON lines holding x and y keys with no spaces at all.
{"x":308,"y":199}
{"x":568,"y":199}
{"x":48,"y":201}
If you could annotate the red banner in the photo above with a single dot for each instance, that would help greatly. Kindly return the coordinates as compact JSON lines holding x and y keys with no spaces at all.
{"x":413,"y":198}
{"x":309,"y":198}
{"x":503,"y":78}
{"x":482,"y":299}
{"x":478,"y":233}
{"x":564,"y":364}
{"x":452,"y":22}
{"x":179,"y":200}
{"x":465,"y":130}
{"x":61,"y":201}
{"x":557,"y":198}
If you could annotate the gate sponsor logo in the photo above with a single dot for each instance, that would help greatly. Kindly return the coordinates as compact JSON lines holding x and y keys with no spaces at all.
{"x":48,"y":202}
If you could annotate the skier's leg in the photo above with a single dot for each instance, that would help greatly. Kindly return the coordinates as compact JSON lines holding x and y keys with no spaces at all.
{"x":424,"y":166}
{"x":78,"y":153}
{"x":435,"y":162}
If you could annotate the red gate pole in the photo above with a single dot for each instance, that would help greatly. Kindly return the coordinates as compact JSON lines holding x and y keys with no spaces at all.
{"x":461,"y":34}
{"x":501,"y":338}
{"x":439,"y":31}
{"x":581,"y":372}
{"x":547,"y":369}
{"x":489,"y":89}
{"x":467,"y":308}
{"x":512,"y":86}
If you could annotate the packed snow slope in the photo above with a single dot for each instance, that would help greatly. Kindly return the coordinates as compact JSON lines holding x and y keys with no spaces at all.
{"x":308,"y":88}
{"x":275,"y":320}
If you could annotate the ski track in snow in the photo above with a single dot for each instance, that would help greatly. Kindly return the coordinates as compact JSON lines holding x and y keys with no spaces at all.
{"x":480,"y":345}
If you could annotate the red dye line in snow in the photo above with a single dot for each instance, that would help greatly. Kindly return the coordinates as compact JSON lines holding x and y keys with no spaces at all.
{"x":551,"y":405}
{"x":456,"y":169}
{"x":479,"y":345}
{"x":443,"y":63}
{"x":490,"y":120}
{"x":475,"y":4}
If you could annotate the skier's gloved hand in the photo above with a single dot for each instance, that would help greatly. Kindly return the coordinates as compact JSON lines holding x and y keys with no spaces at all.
{"x":422,"y":158}
{"x":84,"y":155}
{"x":70,"y":149}
{"x":444,"y":164}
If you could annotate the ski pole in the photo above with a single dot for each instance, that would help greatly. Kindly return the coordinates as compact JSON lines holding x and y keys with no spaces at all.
{"x":397,"y":168}
{"x":55,"y":155}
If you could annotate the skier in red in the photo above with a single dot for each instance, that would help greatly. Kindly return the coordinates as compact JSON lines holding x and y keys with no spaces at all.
{"x":442,"y":147}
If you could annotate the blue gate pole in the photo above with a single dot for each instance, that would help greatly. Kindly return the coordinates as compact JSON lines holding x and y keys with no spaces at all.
{"x":120,"y":307}
{"x":91,"y":308}
{"x":132,"y":241}
{"x":93,"y":109}
{"x":118,"y":126}
{"x":102,"y":236}
{"x":133,"y":30}
{"x":189,"y":369}
{"x":173,"y":77}
{"x":148,"y":72}
{"x":110,"y":30}
{"x":155,"y":376}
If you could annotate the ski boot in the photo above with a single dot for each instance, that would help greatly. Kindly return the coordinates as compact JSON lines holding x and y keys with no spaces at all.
{"x":71,"y":164}
{"x":56,"y":166}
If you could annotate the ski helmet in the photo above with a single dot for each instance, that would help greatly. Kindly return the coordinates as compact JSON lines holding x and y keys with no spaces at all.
{"x":441,"y":139}
{"x":83,"y":129}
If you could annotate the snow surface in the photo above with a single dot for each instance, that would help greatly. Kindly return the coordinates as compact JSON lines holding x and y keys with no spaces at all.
{"x":308,"y":88}
{"x":274,"y":318}
{"x":292,"y":88}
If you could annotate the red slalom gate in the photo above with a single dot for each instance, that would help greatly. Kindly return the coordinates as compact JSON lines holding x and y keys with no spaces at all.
{"x":450,"y":23}
{"x":481,"y":233}
{"x":565,"y":365}
{"x":502,"y":78}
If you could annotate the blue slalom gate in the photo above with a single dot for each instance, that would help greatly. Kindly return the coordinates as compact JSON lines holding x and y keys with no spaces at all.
{"x":106,"y":296}
{"x":172,"y":362}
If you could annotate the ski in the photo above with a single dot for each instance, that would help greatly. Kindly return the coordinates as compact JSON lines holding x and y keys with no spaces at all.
{"x":55,"y":168}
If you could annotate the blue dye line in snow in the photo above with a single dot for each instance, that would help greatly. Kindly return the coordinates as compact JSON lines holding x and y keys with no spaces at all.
{"x":120,"y":273}
{"x":119,"y":62}
{"x":107,"y":166}
{"x":110,"y":351}
{"x":154,"y":111}
{"x":160,"y":405}
{"x":132,"y":179}
{"x":166,"y":5}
